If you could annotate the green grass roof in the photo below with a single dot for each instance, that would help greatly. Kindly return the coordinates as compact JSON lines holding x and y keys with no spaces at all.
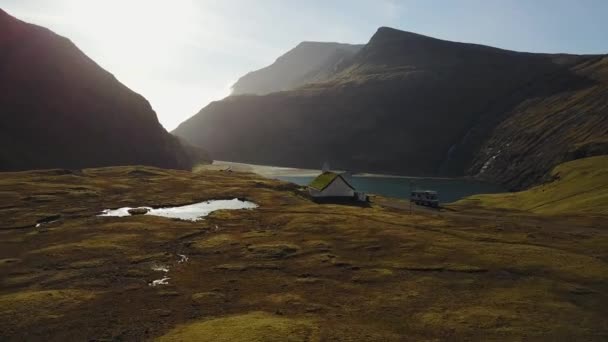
{"x":323,"y":180}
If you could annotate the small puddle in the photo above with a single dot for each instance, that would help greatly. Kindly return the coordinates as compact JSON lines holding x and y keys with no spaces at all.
{"x":190,"y":212}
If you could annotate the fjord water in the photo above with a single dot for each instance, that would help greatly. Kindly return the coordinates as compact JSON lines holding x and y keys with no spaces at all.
{"x":450,"y":189}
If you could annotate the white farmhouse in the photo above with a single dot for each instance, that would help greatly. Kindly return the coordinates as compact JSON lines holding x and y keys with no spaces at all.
{"x":330,"y":185}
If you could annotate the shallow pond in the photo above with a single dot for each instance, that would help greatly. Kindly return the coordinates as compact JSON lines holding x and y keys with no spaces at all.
{"x":191,"y":212}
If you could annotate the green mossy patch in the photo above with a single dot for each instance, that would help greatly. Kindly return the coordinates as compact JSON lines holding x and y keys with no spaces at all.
{"x":578,"y":187}
{"x":23,"y":308}
{"x":202,"y":298}
{"x":214,"y":241}
{"x":251,"y":327}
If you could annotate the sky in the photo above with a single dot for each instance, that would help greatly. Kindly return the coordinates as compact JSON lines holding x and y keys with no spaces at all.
{"x":183,"y":54}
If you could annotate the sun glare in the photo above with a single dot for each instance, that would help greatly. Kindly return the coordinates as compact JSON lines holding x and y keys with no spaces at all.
{"x":139,"y":28}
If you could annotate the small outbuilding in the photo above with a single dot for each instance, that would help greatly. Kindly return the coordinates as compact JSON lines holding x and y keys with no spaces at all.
{"x":333,"y":186}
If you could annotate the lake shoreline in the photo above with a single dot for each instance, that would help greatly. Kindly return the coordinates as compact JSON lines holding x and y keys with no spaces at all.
{"x":271,"y":171}
{"x":393,"y":186}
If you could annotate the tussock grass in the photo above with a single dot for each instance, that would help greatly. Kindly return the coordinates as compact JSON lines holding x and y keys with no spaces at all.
{"x":288,"y":269}
{"x":251,"y":327}
{"x":579,"y":187}
{"x":26,"y":307}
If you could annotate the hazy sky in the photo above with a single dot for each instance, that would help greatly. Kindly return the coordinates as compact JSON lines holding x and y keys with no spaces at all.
{"x":182,"y":54}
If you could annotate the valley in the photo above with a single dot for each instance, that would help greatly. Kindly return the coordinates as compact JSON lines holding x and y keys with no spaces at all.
{"x":112,"y":228}
{"x":410,"y":104}
{"x":289,"y":267}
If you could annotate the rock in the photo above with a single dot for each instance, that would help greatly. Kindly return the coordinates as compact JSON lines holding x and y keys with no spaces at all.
{"x":138,"y":211}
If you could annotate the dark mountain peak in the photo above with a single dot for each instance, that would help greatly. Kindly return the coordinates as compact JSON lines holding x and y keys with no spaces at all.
{"x":313,"y":44}
{"x":308,"y":62}
{"x":389,"y":34}
{"x":59,"y":108}
{"x":387,"y":37}
{"x":7,"y":21}
{"x":307,"y":43}
{"x":375,"y":110}
{"x":392,"y":47}
{"x":314,"y":50}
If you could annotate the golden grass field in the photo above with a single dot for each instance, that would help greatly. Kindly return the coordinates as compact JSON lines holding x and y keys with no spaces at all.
{"x":579,"y":186}
{"x":290,"y":270}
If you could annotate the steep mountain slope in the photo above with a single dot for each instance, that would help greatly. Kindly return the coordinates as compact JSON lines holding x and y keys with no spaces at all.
{"x":406,"y":103}
{"x":308,"y":62}
{"x":546,"y":131}
{"x":59,"y":109}
{"x":577,"y":187}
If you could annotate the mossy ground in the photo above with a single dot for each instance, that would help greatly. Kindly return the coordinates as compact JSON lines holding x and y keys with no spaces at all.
{"x":288,"y":269}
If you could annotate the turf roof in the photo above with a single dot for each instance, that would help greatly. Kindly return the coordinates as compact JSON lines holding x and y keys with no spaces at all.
{"x":323,"y":180}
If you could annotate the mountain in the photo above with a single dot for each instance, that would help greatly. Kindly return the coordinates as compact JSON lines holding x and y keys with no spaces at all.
{"x":59,"y":109}
{"x":309,"y":62}
{"x":542,"y":132}
{"x":411,"y":104}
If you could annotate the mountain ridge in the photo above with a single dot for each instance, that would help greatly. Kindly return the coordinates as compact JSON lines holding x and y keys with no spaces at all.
{"x":60,"y":109}
{"x":405,"y":104}
{"x":307,"y":62}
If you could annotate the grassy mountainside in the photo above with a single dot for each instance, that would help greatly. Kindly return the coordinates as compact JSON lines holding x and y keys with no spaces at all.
{"x":577,"y":187}
{"x":543,"y":132}
{"x":60,"y":109}
{"x":405,"y":104}
{"x":290,"y":270}
{"x":309,"y":62}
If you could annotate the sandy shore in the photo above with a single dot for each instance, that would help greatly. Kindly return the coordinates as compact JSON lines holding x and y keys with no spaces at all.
{"x":262,"y":170}
{"x":278,"y":171}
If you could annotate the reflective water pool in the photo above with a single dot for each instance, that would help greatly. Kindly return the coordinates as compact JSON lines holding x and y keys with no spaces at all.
{"x":191,"y":212}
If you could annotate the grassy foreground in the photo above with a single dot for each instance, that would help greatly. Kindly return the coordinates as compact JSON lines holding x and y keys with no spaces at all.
{"x":579,"y":186}
{"x":291,"y":270}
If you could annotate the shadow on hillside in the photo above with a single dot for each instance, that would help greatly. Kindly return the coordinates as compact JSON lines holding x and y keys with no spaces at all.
{"x":342,"y":201}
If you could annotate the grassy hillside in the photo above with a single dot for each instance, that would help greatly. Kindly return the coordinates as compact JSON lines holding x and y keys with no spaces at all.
{"x":289,"y":270}
{"x":545,"y":131}
{"x":578,"y":187}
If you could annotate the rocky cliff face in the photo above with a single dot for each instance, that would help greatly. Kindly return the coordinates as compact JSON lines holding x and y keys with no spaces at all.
{"x":59,"y":109}
{"x":542,"y":132}
{"x":407,"y":104}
